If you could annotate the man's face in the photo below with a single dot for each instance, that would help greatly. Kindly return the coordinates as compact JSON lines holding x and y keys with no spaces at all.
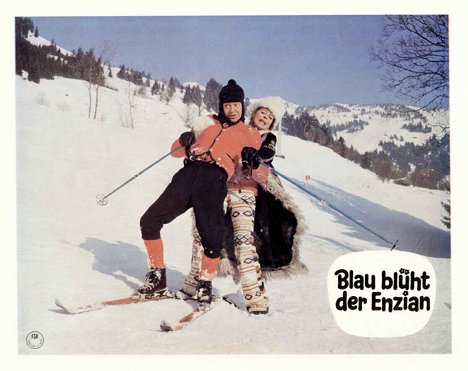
{"x":233,"y":111}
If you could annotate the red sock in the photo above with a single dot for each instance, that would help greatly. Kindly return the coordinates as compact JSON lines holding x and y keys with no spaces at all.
{"x":155,"y":251}
{"x":208,"y":268}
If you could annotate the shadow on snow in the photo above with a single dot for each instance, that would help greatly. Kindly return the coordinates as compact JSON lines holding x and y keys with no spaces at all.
{"x":125,"y":262}
{"x":413,"y":234}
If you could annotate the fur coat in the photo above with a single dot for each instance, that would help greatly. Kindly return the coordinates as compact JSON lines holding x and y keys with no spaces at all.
{"x":278,"y":231}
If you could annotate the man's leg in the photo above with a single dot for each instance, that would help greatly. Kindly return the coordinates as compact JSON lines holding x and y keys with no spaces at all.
{"x":208,"y":196}
{"x":174,"y":201}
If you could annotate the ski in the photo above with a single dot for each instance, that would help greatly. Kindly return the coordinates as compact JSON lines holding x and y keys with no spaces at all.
{"x":187,"y":319}
{"x":122,"y":301}
{"x":195,"y":313}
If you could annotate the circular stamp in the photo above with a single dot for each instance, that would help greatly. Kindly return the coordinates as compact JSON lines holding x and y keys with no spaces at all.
{"x":34,"y":340}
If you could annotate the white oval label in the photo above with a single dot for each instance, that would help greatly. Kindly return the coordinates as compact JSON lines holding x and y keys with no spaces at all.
{"x":381,"y":293}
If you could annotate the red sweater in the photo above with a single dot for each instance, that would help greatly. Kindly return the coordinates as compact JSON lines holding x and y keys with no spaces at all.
{"x":223,"y":143}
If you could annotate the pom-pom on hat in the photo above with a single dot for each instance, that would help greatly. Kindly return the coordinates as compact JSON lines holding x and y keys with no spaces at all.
{"x":231,"y":93}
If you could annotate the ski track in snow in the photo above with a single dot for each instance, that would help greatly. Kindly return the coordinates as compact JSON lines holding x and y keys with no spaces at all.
{"x":73,"y":249}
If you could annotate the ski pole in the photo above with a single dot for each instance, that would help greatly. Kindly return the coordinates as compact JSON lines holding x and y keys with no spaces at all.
{"x":102,"y":200}
{"x":310,"y":193}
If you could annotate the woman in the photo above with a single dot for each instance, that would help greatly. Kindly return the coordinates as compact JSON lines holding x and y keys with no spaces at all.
{"x":247,"y":235}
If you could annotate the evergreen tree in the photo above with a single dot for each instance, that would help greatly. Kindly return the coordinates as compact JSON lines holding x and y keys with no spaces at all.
{"x":34,"y":71}
{"x":366,"y":161}
{"x":174,"y":84}
{"x":139,"y":78}
{"x":23,"y":26}
{"x":36,"y":32}
{"x":197,"y":96}
{"x":22,"y":54}
{"x":49,"y":68}
{"x":122,"y":74}
{"x":211,"y":96}
{"x":155,"y":88}
{"x":289,"y":124}
{"x":187,"y":99}
{"x":171,"y":88}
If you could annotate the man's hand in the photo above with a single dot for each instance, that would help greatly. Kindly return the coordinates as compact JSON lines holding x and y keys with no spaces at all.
{"x":187,"y":139}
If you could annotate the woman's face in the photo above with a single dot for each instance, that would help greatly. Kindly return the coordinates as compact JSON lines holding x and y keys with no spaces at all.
{"x":263,"y":118}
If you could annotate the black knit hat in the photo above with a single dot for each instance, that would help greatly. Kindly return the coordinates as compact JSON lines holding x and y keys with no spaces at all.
{"x":231,"y":93}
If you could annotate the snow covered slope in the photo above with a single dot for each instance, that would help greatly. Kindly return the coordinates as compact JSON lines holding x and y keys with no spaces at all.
{"x":381,"y":123}
{"x":39,"y":40}
{"x":71,"y":248}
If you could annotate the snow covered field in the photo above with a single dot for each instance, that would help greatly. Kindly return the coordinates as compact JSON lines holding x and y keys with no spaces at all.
{"x":71,"y":248}
{"x":381,"y":124}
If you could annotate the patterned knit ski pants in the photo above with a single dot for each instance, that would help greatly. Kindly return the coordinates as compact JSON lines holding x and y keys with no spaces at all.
{"x":242,"y":208}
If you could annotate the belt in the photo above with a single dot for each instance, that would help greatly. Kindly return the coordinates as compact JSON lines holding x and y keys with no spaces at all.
{"x":203,"y":158}
{"x":199,"y":162}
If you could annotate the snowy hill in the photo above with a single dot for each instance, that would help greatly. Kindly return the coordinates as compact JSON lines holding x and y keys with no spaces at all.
{"x":71,"y":248}
{"x":365,"y":126}
{"x":39,"y":41}
{"x":381,"y":123}
{"x":193,"y":85}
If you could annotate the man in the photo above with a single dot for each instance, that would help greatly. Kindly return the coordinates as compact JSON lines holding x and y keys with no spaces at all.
{"x":212,"y":150}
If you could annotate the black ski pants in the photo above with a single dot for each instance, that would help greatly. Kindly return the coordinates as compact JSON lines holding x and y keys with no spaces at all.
{"x":199,"y":185}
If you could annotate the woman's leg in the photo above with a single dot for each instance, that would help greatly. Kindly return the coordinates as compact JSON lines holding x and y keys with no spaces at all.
{"x":243,"y":214}
{"x":190,"y":282}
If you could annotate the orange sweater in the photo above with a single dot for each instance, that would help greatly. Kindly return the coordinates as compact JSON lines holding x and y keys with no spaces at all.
{"x":245,"y":179}
{"x":223,"y":143}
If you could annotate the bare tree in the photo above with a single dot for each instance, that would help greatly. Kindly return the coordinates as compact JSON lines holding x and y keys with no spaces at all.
{"x":189,"y":114}
{"x":105,"y":55}
{"x":93,"y":72}
{"x":128,"y":118}
{"x":90,"y":74}
{"x":198,"y":99}
{"x":413,"y":50}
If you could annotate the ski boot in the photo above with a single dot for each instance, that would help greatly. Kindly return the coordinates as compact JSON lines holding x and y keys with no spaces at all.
{"x":184,"y":295}
{"x":155,"y":283}
{"x":258,"y":308}
{"x":203,"y":293}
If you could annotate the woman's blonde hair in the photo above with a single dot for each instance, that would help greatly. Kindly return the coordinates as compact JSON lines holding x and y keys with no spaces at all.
{"x":273,"y":104}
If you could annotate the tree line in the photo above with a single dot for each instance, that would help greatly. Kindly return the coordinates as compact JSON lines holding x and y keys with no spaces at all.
{"x":49,"y":61}
{"x":426,"y":165}
{"x":45,"y":62}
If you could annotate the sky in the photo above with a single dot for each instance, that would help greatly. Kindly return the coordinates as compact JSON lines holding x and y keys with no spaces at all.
{"x":307,"y":60}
